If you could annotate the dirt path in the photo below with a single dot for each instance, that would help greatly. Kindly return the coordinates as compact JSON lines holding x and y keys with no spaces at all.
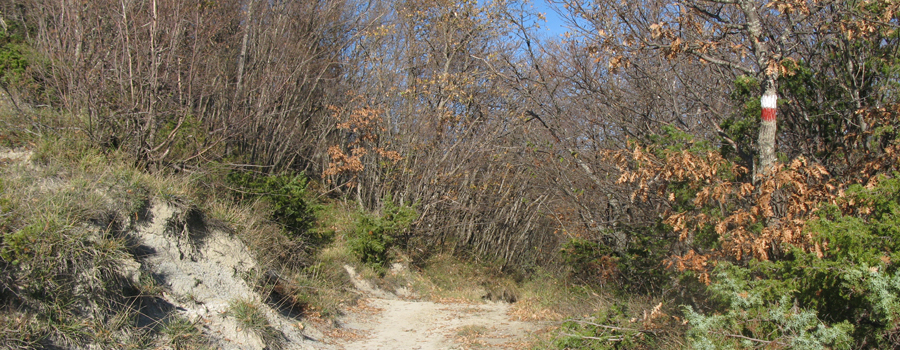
{"x":385,"y":321}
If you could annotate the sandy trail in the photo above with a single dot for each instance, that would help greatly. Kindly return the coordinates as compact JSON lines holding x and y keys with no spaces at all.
{"x":388,"y":322}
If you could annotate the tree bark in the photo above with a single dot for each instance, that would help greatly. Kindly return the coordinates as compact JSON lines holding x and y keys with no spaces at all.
{"x":243,"y":55}
{"x":767,"y":129}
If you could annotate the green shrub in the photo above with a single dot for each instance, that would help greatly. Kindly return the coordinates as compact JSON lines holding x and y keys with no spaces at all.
{"x":635,"y":266}
{"x":373,"y":236}
{"x":761,"y":312}
{"x":186,"y":135}
{"x":13,"y":62}
{"x":17,"y":64}
{"x":589,"y":261}
{"x":287,"y":195}
{"x":844,"y":297}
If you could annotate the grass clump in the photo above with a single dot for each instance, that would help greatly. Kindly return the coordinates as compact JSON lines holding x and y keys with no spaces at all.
{"x":317,"y":290}
{"x":548,"y":296}
{"x":183,"y":334}
{"x":62,"y":249}
{"x":326,"y":286}
{"x":295,"y":277}
{"x":18,"y":330}
{"x":471,"y":335}
{"x":471,"y":331}
{"x":447,"y":277}
{"x":252,"y":317}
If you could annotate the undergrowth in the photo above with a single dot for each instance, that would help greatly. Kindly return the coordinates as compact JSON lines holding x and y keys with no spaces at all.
{"x":65,"y":214}
{"x":446,"y":277}
{"x":65,"y":217}
{"x":375,"y":234}
{"x":289,"y":201}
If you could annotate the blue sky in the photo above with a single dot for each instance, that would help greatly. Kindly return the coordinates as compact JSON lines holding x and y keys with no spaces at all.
{"x":554,"y":25}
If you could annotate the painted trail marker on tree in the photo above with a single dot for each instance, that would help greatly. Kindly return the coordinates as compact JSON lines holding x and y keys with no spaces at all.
{"x":767,"y":132}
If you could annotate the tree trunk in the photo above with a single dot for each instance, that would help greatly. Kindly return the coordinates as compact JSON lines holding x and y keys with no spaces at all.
{"x":243,"y":55}
{"x":767,"y":132}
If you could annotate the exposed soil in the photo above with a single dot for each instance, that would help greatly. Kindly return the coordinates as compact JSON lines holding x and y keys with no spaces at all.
{"x":384,"y":321}
{"x":201,"y":268}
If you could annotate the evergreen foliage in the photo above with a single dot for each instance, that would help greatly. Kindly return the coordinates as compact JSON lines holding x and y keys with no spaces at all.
{"x":288,"y":197}
{"x":13,"y":61}
{"x":760,"y":312}
{"x":374,"y":235}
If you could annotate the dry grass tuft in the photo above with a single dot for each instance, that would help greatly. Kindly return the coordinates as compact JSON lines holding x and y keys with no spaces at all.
{"x":471,"y":336}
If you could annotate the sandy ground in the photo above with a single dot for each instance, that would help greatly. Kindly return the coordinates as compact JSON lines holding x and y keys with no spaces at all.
{"x":201,"y":270}
{"x":201,"y":273}
{"x":385,"y":321}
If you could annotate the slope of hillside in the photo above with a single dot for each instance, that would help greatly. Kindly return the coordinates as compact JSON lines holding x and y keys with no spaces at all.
{"x":149,"y":269}
{"x":159,"y":268}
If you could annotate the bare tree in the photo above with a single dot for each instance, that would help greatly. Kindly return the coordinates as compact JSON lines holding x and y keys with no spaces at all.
{"x":770,"y":42}
{"x":179,"y":83}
